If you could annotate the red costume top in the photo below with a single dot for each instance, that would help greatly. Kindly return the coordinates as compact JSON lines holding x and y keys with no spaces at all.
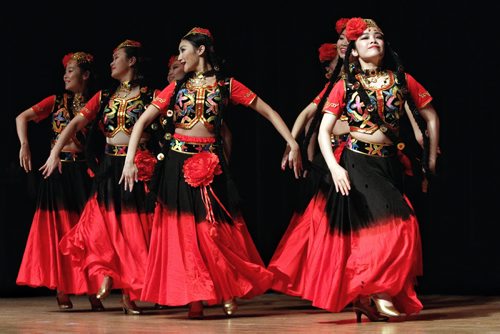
{"x":118,"y":114}
{"x":62,"y":109}
{"x":388,"y":98}
{"x":201,"y":104}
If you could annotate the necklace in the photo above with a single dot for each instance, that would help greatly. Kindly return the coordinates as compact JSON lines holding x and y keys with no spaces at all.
{"x":125,"y":88}
{"x":375,"y":78}
{"x":78,"y":103}
{"x":200,"y":78}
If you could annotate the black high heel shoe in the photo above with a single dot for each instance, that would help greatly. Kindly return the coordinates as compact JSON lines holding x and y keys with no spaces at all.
{"x":230,"y":307}
{"x":195,"y":310}
{"x":96,"y":304}
{"x":129,"y":306}
{"x":370,"y":311}
{"x":63,"y":301}
{"x":105,"y":290}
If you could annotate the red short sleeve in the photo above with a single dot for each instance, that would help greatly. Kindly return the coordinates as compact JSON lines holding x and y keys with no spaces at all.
{"x":320,"y":95}
{"x":335,"y":102}
{"x":240,"y":94}
{"x":43,"y":108}
{"x":162,"y":100}
{"x":419,"y":94}
{"x":91,"y":108}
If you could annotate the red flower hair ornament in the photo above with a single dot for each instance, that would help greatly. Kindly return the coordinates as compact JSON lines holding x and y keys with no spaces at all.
{"x":171,"y":60}
{"x":199,"y":171}
{"x":341,"y":24}
{"x":327,"y":52}
{"x":355,"y":28}
{"x":357,"y":25}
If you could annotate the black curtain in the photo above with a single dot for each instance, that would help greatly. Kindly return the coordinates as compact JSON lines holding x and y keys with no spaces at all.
{"x":273,"y":50}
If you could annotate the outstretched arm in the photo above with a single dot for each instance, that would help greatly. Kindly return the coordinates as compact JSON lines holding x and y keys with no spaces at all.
{"x":294,"y":159}
{"x":22,"y":133}
{"x":53,"y":162}
{"x":129,"y":173}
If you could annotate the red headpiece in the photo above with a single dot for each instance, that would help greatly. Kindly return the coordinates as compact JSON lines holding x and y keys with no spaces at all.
{"x":79,"y":57}
{"x":357,"y":25}
{"x":327,"y":52}
{"x":340,"y":24}
{"x":128,"y":43}
{"x":202,"y":31}
{"x":171,"y":60}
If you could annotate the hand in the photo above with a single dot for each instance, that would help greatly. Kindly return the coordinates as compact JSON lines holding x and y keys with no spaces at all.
{"x":129,"y":176}
{"x":295,"y":161}
{"x":341,"y":179}
{"x":284,"y":159}
{"x":50,"y":165}
{"x":25,"y":158}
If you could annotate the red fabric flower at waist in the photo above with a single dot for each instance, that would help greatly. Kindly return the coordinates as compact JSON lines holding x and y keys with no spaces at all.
{"x":145,"y":162}
{"x":200,"y":169}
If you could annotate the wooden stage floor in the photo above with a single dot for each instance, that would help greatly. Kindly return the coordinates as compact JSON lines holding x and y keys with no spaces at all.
{"x":270,"y":313}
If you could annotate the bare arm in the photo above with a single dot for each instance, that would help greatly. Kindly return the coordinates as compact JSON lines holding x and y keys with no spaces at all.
{"x":431,"y":118}
{"x":294,"y":159}
{"x":129,"y":173}
{"x":53,"y":162}
{"x":22,"y":133}
{"x":299,"y":125}
{"x":339,"y":174}
{"x":416,"y":130}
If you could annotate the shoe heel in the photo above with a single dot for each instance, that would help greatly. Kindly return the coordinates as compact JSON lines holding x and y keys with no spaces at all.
{"x":358,"y":315}
{"x":63,"y":301}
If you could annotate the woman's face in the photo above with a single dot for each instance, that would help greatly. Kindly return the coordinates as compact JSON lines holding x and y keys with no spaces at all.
{"x":74,"y":79}
{"x":370,"y":46}
{"x":176,"y":71}
{"x":342,"y":44}
{"x":189,"y":56}
{"x":120,"y":66}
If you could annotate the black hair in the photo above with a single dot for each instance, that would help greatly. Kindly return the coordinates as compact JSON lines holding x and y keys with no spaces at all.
{"x":313,"y":127}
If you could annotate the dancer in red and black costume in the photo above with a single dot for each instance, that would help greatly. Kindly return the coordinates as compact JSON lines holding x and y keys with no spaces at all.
{"x":288,"y":261}
{"x":111,"y":240}
{"x":367,"y":246}
{"x":62,"y":196}
{"x":201,"y":249}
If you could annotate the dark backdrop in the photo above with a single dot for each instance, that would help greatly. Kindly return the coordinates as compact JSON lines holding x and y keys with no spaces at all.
{"x":273,"y":50}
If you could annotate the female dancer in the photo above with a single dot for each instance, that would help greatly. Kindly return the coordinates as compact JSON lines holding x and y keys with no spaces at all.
{"x":111,"y":240}
{"x":62,"y":196}
{"x":367,"y":244}
{"x":200,"y":247}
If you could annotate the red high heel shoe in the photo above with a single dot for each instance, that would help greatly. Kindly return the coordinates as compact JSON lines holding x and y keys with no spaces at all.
{"x":195,"y":310}
{"x":365,"y":307}
{"x":63,"y":301}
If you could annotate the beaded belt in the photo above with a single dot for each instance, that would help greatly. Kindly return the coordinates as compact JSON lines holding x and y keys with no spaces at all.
{"x":378,"y":150}
{"x":119,"y":150}
{"x":192,"y":145}
{"x":72,"y":156}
